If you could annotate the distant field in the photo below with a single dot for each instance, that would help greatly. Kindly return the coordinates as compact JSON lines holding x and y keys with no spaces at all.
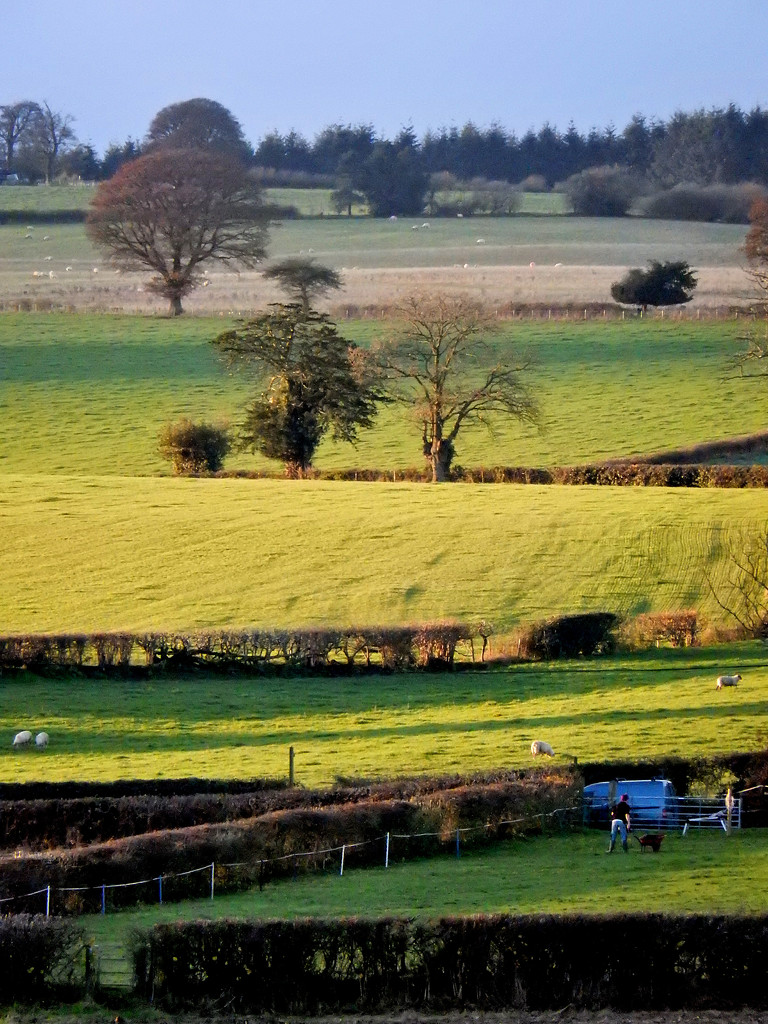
{"x":206,"y":726}
{"x":574,"y":260}
{"x":310,"y":202}
{"x":110,"y":553}
{"x":89,"y":394}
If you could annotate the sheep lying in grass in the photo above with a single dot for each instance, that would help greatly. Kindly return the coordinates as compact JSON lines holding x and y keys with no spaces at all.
{"x":540,"y":747}
{"x":23,"y":738}
{"x":727,"y":681}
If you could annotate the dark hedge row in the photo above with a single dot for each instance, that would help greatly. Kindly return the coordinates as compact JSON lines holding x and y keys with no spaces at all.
{"x":42,"y":960}
{"x":498,"y":962}
{"x":640,"y":474}
{"x":255,"y":849}
{"x":430,"y":646}
{"x":37,"y":824}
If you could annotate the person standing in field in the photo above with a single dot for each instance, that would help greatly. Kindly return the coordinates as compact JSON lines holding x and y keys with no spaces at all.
{"x":620,"y":822}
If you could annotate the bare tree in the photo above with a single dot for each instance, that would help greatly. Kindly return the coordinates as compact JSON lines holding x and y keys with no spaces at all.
{"x":444,"y":366}
{"x":16,"y":120}
{"x":303,"y":279}
{"x":744,"y":594}
{"x":750,"y":362}
{"x":171,"y":211}
{"x":53,"y":133}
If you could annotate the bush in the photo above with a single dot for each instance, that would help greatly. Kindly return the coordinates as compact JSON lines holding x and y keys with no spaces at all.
{"x":194,"y":447}
{"x":726,"y":204}
{"x":42,"y":960}
{"x":569,"y":636}
{"x":602,"y":191}
{"x":678,"y":629}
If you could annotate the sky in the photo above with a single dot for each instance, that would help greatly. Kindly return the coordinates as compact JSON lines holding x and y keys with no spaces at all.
{"x":279,"y":65}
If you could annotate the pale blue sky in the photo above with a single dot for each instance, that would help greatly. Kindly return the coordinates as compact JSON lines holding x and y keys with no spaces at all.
{"x":304,"y":64}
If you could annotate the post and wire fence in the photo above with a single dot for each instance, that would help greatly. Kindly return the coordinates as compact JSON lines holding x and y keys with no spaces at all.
{"x":454,"y":838}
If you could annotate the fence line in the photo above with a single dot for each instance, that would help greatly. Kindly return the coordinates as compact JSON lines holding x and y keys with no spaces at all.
{"x":160,"y":879}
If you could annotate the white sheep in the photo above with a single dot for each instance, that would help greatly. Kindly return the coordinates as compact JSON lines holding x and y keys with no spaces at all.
{"x":541,"y":747}
{"x":727,"y":681}
{"x":41,"y":740}
{"x":480,"y":241}
{"x":23,"y":738}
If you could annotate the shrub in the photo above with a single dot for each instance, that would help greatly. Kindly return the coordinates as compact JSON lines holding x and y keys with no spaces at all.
{"x":569,"y":636}
{"x":727,"y":204}
{"x":42,"y":960}
{"x":678,"y":629}
{"x":602,"y":191}
{"x":194,"y":447}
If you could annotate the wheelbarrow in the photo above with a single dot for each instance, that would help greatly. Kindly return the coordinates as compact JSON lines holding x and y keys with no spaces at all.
{"x":650,"y":841}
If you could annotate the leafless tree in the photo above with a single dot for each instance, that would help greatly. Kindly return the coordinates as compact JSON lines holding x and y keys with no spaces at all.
{"x":172,"y":211}
{"x":52,"y":135}
{"x":744,"y":593}
{"x":752,"y":362}
{"x":15,"y":121}
{"x":440,"y":358}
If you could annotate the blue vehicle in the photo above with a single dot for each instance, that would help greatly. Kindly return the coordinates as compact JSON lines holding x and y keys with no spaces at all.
{"x":652,"y":802}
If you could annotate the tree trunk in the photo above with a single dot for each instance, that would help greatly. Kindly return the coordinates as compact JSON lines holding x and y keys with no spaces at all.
{"x":175,"y":308}
{"x":440,"y":456}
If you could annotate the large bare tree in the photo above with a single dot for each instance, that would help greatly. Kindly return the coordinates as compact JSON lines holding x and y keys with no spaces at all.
{"x":446,"y":371}
{"x":53,"y":135}
{"x":16,"y":120}
{"x":172,"y":211}
{"x":753,"y":361}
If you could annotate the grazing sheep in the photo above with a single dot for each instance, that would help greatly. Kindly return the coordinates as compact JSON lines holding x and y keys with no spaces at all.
{"x":540,"y":747}
{"x":727,"y":681}
{"x":41,"y":740}
{"x":23,"y":738}
{"x":480,"y":241}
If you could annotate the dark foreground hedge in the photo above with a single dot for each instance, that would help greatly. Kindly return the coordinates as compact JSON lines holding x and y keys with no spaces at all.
{"x":41,"y":960}
{"x":497,"y":962}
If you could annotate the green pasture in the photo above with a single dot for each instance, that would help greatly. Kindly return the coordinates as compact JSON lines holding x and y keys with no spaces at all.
{"x":112,"y":553}
{"x":642,"y":705}
{"x":42,"y":199}
{"x":89,"y":394}
{"x":702,"y":873}
{"x":364,"y":242}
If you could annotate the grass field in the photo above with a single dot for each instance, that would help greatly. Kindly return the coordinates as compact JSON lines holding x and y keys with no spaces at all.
{"x":706,"y":873}
{"x":90,"y":394}
{"x":521,"y":260}
{"x":647,"y":704}
{"x":107,"y":553}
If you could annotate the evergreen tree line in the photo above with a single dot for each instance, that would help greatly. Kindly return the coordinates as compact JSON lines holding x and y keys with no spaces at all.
{"x":703,"y":147}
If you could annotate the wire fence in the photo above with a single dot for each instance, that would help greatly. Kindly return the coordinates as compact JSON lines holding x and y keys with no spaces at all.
{"x":49,"y":892}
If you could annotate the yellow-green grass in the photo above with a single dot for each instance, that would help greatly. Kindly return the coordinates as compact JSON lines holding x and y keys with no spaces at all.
{"x":109,"y":553}
{"x":703,"y":873}
{"x":651,"y":704}
{"x":89,"y":394}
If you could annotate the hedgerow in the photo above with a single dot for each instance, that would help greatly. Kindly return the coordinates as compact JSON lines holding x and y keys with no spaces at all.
{"x":484,"y":962}
{"x":284,"y":842}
